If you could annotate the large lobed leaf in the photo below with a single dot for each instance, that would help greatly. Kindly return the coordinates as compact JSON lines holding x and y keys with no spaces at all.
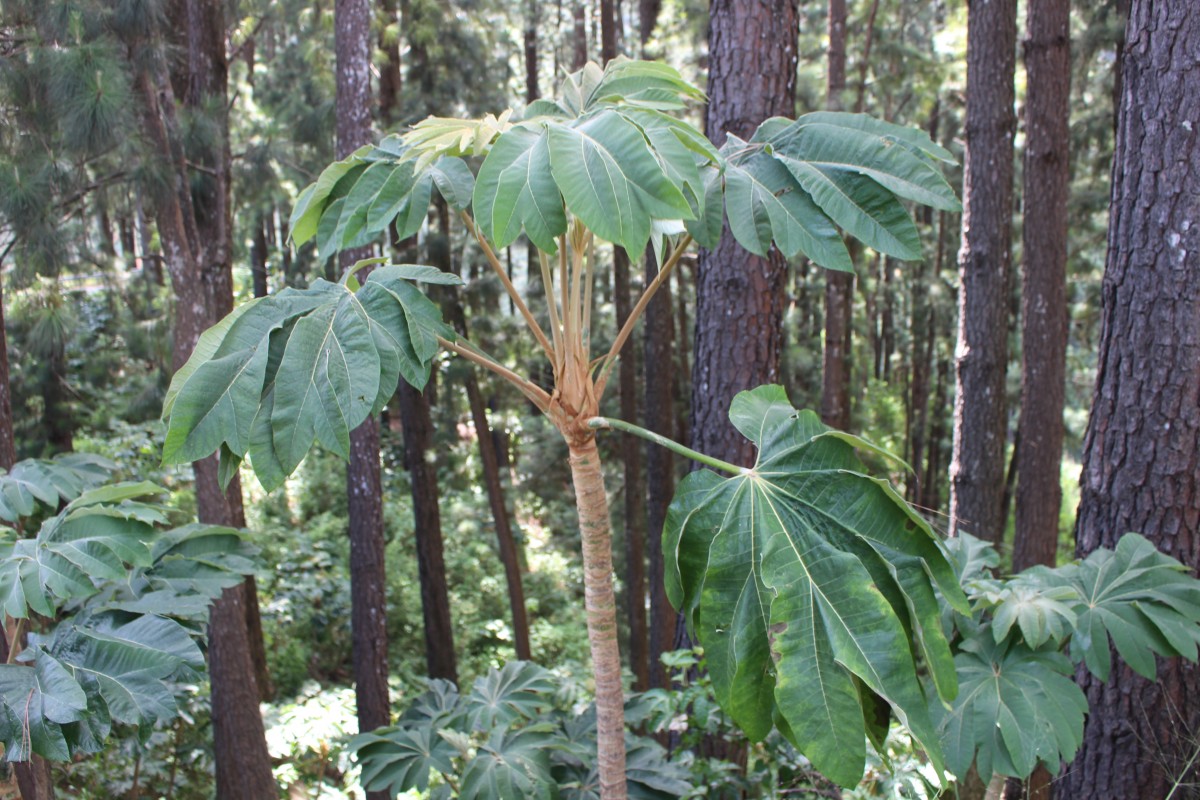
{"x":811,"y":587}
{"x":94,"y":538}
{"x":1016,"y":707}
{"x":299,"y":367}
{"x":49,"y":481}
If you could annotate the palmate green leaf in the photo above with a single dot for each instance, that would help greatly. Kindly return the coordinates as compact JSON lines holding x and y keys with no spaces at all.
{"x":399,"y":758}
{"x":93,"y":539}
{"x":88,"y":675}
{"x":611,"y":180}
{"x":512,"y":765}
{"x":1144,"y":600}
{"x":515,"y":191}
{"x":804,"y":576}
{"x":49,"y":481}
{"x":302,"y":366}
{"x":1040,"y":611}
{"x":518,"y":690}
{"x":765,"y":205}
{"x":1016,"y":707}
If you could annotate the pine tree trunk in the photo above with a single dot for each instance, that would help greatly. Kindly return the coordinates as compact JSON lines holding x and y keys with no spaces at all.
{"x":390,"y":77}
{"x":579,"y":38}
{"x":1141,"y":459}
{"x":258,"y":258}
{"x":659,"y":369}
{"x":600,"y":601}
{"x":8,"y":445}
{"x":1044,"y":289}
{"x":739,"y":296}
{"x":431,"y":566}
{"x":839,"y":286}
{"x":980,"y":421}
{"x":368,"y":574}
{"x":648,"y":11}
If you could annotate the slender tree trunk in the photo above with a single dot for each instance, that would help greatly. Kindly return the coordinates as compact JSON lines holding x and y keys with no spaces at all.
{"x":739,"y":296}
{"x":659,"y":383}
{"x":580,"y":55}
{"x":839,"y":286}
{"x":635,"y":488}
{"x":1141,"y":457}
{"x":390,"y":77}
{"x":368,"y":574}
{"x":531,"y":53}
{"x":431,"y":566}
{"x":980,"y":421}
{"x":258,"y":258}
{"x":1044,"y":290}
{"x":8,"y":445}
{"x":648,"y":11}
{"x":600,"y":601}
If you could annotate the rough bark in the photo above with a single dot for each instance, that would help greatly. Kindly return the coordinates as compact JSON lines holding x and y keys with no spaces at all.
{"x":1044,"y":288}
{"x":659,"y":386}
{"x":839,"y":286}
{"x":368,"y":575}
{"x":980,"y":413}
{"x":600,"y":602}
{"x":431,"y":567}
{"x":201,"y":275}
{"x":1141,"y":460}
{"x":739,"y":296}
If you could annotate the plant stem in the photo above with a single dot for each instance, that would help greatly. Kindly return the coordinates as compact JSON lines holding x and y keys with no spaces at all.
{"x":600,"y":602}
{"x":635,"y":315}
{"x":596,"y":423}
{"x":535,"y":393}
{"x":552,"y":303}
{"x":513,"y":294}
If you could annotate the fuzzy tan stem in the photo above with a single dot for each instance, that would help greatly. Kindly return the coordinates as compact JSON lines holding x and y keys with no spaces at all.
{"x":600,"y":601}
{"x":535,"y":393}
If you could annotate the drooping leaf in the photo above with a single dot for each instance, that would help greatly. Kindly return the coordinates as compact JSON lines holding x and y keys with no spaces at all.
{"x":49,"y":482}
{"x":765,"y":205}
{"x":1015,"y":707}
{"x":303,"y":366}
{"x":803,"y":575}
{"x":94,"y":538}
{"x":515,"y":191}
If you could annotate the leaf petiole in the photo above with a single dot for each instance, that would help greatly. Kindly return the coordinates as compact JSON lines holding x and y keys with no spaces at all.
{"x":599,"y":423}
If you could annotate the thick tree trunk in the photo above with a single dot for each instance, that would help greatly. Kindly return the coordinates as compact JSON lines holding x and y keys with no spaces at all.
{"x":980,"y":413}
{"x":1141,"y":460}
{"x":659,"y":385}
{"x":368,"y":574}
{"x":531,"y":54}
{"x":739,"y":296}
{"x":1044,"y":290}
{"x":600,"y":601}
{"x":200,"y":274}
{"x":648,"y":11}
{"x":431,"y":566}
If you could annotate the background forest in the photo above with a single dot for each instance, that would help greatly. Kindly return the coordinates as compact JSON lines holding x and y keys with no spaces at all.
{"x":152,"y":153}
